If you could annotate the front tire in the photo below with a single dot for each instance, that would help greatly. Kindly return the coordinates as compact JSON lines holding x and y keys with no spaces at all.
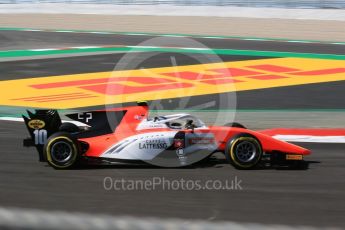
{"x":243,"y":151}
{"x":61,"y":151}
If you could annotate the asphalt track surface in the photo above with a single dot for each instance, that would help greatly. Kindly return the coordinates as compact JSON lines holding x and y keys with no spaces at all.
{"x":14,"y":40}
{"x":314,"y":196}
{"x":98,"y":63}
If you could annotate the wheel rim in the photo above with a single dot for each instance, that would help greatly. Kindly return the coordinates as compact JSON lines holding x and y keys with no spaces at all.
{"x":61,"y":152}
{"x":245,"y":151}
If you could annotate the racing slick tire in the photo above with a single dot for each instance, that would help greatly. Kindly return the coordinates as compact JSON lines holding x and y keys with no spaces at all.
{"x":235,"y":125}
{"x":68,"y":127}
{"x":61,"y":151}
{"x":243,"y":151}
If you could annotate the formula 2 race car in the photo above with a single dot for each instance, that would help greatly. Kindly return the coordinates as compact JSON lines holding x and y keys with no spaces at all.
{"x":128,"y":135}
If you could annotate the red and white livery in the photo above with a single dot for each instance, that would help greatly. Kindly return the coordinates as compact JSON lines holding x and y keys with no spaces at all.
{"x":129,"y":135}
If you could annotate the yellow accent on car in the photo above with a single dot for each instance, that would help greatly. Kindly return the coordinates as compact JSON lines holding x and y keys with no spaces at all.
{"x":36,"y":124}
{"x":294,"y":157}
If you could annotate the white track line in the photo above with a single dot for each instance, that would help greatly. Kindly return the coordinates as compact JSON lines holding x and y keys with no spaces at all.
{"x":182,"y":35}
{"x":289,"y":138}
{"x":309,"y":138}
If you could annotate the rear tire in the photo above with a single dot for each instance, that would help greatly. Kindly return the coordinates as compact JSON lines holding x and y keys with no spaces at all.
{"x":243,"y":151}
{"x":62,"y":151}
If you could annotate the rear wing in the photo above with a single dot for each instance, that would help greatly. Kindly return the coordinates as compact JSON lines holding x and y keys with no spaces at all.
{"x":41,"y":124}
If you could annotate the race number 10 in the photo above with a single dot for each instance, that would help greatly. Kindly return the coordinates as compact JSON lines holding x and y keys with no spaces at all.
{"x":40,"y":136}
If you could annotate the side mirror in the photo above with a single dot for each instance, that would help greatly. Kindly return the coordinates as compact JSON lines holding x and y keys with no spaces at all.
{"x":190,"y":125}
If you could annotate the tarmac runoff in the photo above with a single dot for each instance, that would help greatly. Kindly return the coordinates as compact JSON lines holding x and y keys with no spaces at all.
{"x":255,"y":119}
